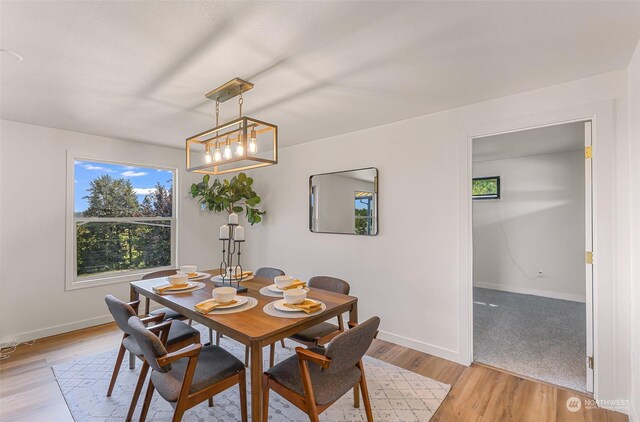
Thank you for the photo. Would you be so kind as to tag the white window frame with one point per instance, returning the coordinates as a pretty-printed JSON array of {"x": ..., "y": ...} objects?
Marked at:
[{"x": 72, "y": 281}]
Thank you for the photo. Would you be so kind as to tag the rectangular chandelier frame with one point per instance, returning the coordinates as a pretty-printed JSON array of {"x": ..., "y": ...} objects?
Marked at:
[{"x": 233, "y": 130}]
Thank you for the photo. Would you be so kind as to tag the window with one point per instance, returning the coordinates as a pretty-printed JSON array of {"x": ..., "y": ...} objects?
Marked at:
[
  {"x": 363, "y": 212},
  {"x": 486, "y": 187},
  {"x": 123, "y": 222}
]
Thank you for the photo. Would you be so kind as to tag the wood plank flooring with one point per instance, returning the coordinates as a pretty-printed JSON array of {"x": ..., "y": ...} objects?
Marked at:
[{"x": 28, "y": 391}]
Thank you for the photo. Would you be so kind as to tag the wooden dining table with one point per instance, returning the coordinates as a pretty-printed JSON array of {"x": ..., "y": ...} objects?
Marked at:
[{"x": 253, "y": 327}]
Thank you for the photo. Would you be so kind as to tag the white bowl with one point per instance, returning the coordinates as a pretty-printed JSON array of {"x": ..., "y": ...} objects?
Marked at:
[
  {"x": 224, "y": 294},
  {"x": 295, "y": 296},
  {"x": 178, "y": 279},
  {"x": 188, "y": 269},
  {"x": 283, "y": 281}
]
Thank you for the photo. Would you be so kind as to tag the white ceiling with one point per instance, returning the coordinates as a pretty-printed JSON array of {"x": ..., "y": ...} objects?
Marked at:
[
  {"x": 139, "y": 70},
  {"x": 545, "y": 140}
]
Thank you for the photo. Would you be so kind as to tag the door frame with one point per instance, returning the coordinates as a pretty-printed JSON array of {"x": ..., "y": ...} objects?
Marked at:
[
  {"x": 602, "y": 115},
  {"x": 588, "y": 236}
]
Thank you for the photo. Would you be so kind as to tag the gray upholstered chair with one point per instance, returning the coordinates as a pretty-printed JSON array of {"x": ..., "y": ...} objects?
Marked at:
[
  {"x": 268, "y": 272},
  {"x": 321, "y": 333},
  {"x": 179, "y": 336},
  {"x": 168, "y": 312},
  {"x": 316, "y": 377},
  {"x": 188, "y": 376}
]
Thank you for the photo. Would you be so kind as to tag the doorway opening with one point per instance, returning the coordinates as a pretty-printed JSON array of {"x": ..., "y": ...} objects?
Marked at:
[{"x": 532, "y": 239}]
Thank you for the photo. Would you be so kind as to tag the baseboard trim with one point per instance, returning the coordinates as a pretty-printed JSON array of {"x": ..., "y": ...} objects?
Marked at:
[
  {"x": 61, "y": 329},
  {"x": 528, "y": 291},
  {"x": 421, "y": 346},
  {"x": 58, "y": 329}
]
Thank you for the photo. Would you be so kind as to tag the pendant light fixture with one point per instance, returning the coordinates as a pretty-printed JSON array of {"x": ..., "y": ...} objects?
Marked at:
[{"x": 247, "y": 143}]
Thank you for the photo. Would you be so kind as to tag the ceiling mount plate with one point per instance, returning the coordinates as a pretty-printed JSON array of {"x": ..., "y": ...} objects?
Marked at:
[{"x": 231, "y": 89}]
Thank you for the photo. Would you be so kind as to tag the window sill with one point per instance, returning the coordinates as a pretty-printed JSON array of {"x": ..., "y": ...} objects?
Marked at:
[{"x": 86, "y": 283}]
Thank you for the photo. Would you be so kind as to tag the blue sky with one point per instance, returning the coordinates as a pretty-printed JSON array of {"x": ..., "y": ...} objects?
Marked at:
[{"x": 143, "y": 179}]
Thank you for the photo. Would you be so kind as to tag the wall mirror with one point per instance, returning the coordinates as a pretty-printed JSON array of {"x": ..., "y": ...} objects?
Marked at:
[{"x": 344, "y": 202}]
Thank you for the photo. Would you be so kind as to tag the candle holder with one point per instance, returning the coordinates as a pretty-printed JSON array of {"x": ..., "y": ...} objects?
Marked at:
[{"x": 231, "y": 251}]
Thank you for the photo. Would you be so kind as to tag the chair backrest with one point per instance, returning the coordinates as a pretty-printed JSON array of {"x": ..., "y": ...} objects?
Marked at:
[
  {"x": 348, "y": 348},
  {"x": 268, "y": 272},
  {"x": 120, "y": 311},
  {"x": 158, "y": 274},
  {"x": 331, "y": 284},
  {"x": 149, "y": 343}
]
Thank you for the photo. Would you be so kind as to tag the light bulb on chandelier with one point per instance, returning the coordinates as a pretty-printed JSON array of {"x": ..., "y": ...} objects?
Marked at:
[
  {"x": 239, "y": 147},
  {"x": 227, "y": 150},
  {"x": 217, "y": 155},
  {"x": 253, "y": 146},
  {"x": 207, "y": 155}
]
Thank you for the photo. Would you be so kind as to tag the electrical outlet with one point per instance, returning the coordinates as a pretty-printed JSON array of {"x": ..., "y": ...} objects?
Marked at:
[{"x": 540, "y": 273}]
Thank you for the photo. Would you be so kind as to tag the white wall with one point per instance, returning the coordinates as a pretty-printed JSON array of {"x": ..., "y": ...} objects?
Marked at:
[
  {"x": 412, "y": 274},
  {"x": 634, "y": 186},
  {"x": 33, "y": 169},
  {"x": 537, "y": 224}
]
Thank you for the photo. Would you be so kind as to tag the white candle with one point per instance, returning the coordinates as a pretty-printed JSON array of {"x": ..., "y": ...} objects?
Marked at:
[
  {"x": 224, "y": 232},
  {"x": 238, "y": 233},
  {"x": 233, "y": 218}
]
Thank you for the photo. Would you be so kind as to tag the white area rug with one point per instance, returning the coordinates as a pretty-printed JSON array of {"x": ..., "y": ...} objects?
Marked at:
[{"x": 396, "y": 394}]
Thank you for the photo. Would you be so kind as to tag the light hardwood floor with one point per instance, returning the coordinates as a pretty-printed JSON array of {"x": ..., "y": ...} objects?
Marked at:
[{"x": 28, "y": 391}]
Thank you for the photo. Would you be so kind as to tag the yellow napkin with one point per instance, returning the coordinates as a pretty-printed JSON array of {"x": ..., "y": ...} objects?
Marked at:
[
  {"x": 296, "y": 284},
  {"x": 168, "y": 287},
  {"x": 210, "y": 304},
  {"x": 308, "y": 306},
  {"x": 191, "y": 275}
]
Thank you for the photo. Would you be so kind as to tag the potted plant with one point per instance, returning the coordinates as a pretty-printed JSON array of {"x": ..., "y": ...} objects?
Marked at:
[{"x": 235, "y": 195}]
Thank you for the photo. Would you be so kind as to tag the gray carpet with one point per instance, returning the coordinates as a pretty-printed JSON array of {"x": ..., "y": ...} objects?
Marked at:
[
  {"x": 535, "y": 336},
  {"x": 396, "y": 393}
]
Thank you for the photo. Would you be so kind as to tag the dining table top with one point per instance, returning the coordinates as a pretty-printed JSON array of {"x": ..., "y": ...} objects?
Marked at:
[{"x": 249, "y": 325}]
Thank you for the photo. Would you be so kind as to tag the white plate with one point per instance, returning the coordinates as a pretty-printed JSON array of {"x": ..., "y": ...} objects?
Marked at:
[
  {"x": 219, "y": 278},
  {"x": 275, "y": 289},
  {"x": 279, "y": 305},
  {"x": 199, "y": 275},
  {"x": 190, "y": 285},
  {"x": 241, "y": 300}
]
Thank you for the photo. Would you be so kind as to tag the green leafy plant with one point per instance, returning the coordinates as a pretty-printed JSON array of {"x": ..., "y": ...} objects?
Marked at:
[{"x": 235, "y": 195}]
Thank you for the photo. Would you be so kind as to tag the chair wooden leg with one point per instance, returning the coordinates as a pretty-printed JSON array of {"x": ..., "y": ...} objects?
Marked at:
[
  {"x": 218, "y": 337},
  {"x": 177, "y": 414},
  {"x": 138, "y": 389},
  {"x": 211, "y": 338},
  {"x": 282, "y": 343},
  {"x": 246, "y": 356},
  {"x": 272, "y": 354},
  {"x": 190, "y": 322},
  {"x": 147, "y": 401},
  {"x": 210, "y": 401},
  {"x": 116, "y": 369},
  {"x": 242, "y": 386},
  {"x": 356, "y": 397},
  {"x": 365, "y": 395},
  {"x": 265, "y": 398}
]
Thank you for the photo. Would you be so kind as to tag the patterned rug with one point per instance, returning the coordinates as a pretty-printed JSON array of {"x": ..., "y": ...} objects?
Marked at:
[{"x": 396, "y": 394}]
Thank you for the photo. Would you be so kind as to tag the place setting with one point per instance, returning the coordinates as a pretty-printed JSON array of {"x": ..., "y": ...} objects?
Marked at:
[
  {"x": 183, "y": 281},
  {"x": 225, "y": 300},
  {"x": 294, "y": 304},
  {"x": 281, "y": 284}
]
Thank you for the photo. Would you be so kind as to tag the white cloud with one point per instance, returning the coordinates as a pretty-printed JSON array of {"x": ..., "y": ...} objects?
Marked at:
[
  {"x": 92, "y": 167},
  {"x": 144, "y": 191},
  {"x": 130, "y": 173}
]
